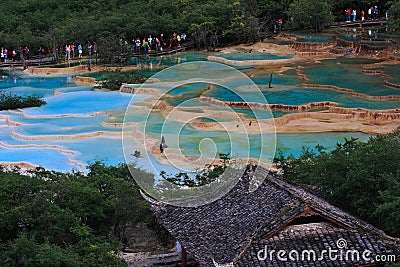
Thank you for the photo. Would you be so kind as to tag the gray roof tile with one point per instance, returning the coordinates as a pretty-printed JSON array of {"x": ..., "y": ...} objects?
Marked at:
[{"x": 237, "y": 226}]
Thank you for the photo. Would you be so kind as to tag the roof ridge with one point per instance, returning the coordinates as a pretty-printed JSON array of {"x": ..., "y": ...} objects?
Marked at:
[
  {"x": 259, "y": 204},
  {"x": 323, "y": 206}
]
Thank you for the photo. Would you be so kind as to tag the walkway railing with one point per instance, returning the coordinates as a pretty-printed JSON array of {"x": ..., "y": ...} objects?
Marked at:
[{"x": 359, "y": 23}]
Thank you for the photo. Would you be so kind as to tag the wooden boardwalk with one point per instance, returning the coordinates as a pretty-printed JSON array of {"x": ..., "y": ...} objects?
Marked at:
[
  {"x": 167, "y": 51},
  {"x": 359, "y": 23},
  {"x": 50, "y": 61},
  {"x": 30, "y": 62}
]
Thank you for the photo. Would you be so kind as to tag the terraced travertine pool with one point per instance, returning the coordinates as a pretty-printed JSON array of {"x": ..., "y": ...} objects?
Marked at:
[{"x": 79, "y": 125}]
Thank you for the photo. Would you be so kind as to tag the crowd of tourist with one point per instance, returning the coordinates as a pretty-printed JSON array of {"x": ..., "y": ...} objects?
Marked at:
[
  {"x": 12, "y": 54},
  {"x": 71, "y": 51},
  {"x": 68, "y": 51},
  {"x": 157, "y": 43},
  {"x": 372, "y": 13}
]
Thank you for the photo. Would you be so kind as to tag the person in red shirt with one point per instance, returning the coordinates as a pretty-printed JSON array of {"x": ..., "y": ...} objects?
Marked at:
[
  {"x": 72, "y": 46},
  {"x": 348, "y": 14}
]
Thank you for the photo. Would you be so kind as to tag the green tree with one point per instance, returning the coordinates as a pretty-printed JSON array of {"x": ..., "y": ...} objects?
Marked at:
[
  {"x": 244, "y": 26},
  {"x": 362, "y": 178},
  {"x": 13, "y": 101},
  {"x": 394, "y": 15},
  {"x": 70, "y": 219},
  {"x": 26, "y": 251},
  {"x": 314, "y": 14}
]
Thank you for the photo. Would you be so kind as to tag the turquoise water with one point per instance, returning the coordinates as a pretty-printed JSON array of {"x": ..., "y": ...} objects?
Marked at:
[
  {"x": 393, "y": 70},
  {"x": 351, "y": 37},
  {"x": 278, "y": 42},
  {"x": 185, "y": 88},
  {"x": 21, "y": 84},
  {"x": 87, "y": 150},
  {"x": 348, "y": 74},
  {"x": 191, "y": 140},
  {"x": 289, "y": 143},
  {"x": 81, "y": 103},
  {"x": 62, "y": 128},
  {"x": 252, "y": 56},
  {"x": 170, "y": 60},
  {"x": 314, "y": 38},
  {"x": 79, "y": 110},
  {"x": 288, "y": 78},
  {"x": 302, "y": 96}
]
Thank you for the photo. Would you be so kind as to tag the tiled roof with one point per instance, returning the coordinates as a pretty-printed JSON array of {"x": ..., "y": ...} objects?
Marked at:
[
  {"x": 318, "y": 237},
  {"x": 237, "y": 226}
]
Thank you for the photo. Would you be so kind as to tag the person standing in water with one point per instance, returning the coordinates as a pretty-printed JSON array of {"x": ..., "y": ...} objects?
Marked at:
[
  {"x": 270, "y": 81},
  {"x": 163, "y": 145}
]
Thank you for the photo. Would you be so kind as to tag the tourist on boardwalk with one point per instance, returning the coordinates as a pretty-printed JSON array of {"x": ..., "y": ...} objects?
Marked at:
[
  {"x": 173, "y": 41},
  {"x": 68, "y": 52},
  {"x": 95, "y": 50},
  {"x": 375, "y": 12},
  {"x": 280, "y": 23},
  {"x": 26, "y": 52},
  {"x": 158, "y": 44},
  {"x": 73, "y": 50},
  {"x": 162, "y": 41},
  {"x": 369, "y": 13},
  {"x": 354, "y": 15},
  {"x": 145, "y": 46},
  {"x": 21, "y": 57},
  {"x": 5, "y": 52},
  {"x": 11, "y": 54},
  {"x": 153, "y": 44},
  {"x": 80, "y": 50},
  {"x": 41, "y": 52},
  {"x": 362, "y": 15},
  {"x": 178, "y": 39},
  {"x": 53, "y": 54},
  {"x": 89, "y": 47},
  {"x": 137, "y": 45},
  {"x": 348, "y": 14},
  {"x": 150, "y": 41}
]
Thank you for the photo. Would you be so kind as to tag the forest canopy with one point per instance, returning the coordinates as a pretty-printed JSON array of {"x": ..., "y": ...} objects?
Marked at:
[
  {"x": 51, "y": 218},
  {"x": 38, "y": 23}
]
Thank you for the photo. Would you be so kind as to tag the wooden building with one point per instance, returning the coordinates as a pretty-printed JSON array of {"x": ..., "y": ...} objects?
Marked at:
[{"x": 274, "y": 226}]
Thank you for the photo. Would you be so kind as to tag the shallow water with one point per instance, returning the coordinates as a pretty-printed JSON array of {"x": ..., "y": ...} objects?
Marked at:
[
  {"x": 348, "y": 74},
  {"x": 286, "y": 90},
  {"x": 21, "y": 84},
  {"x": 314, "y": 38},
  {"x": 81, "y": 103},
  {"x": 79, "y": 110},
  {"x": 393, "y": 70},
  {"x": 252, "y": 56},
  {"x": 290, "y": 144}
]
